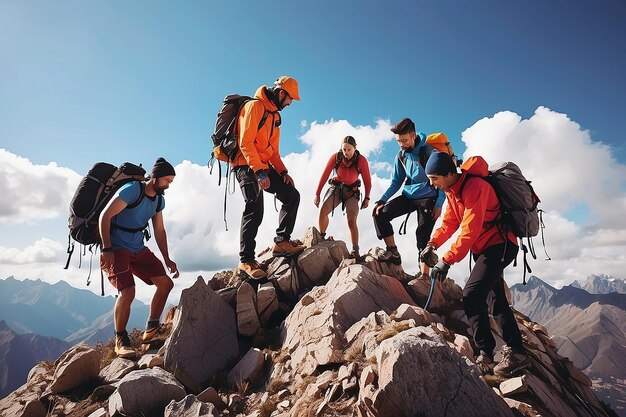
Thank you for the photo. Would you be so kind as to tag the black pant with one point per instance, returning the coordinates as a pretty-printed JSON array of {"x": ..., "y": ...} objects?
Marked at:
[
  {"x": 486, "y": 276},
  {"x": 402, "y": 205},
  {"x": 253, "y": 211}
]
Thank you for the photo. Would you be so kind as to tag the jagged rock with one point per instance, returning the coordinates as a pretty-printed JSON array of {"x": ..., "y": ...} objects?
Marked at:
[
  {"x": 76, "y": 366},
  {"x": 102, "y": 393},
  {"x": 204, "y": 339},
  {"x": 150, "y": 360},
  {"x": 247, "y": 317},
  {"x": 210, "y": 395},
  {"x": 116, "y": 370},
  {"x": 368, "y": 375},
  {"x": 223, "y": 279},
  {"x": 577, "y": 374},
  {"x": 384, "y": 268},
  {"x": 247, "y": 369},
  {"x": 338, "y": 250},
  {"x": 145, "y": 392},
  {"x": 421, "y": 316},
  {"x": 278, "y": 266},
  {"x": 22, "y": 403},
  {"x": 287, "y": 282},
  {"x": 382, "y": 318},
  {"x": 549, "y": 399},
  {"x": 365, "y": 325},
  {"x": 37, "y": 372},
  {"x": 463, "y": 346},
  {"x": 317, "y": 264},
  {"x": 525, "y": 409},
  {"x": 313, "y": 334},
  {"x": 267, "y": 301},
  {"x": 100, "y": 412},
  {"x": 190, "y": 406},
  {"x": 513, "y": 386},
  {"x": 416, "y": 364},
  {"x": 312, "y": 237}
]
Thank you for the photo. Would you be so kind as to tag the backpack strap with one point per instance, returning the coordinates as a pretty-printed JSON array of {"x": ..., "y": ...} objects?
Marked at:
[
  {"x": 338, "y": 159},
  {"x": 424, "y": 154}
]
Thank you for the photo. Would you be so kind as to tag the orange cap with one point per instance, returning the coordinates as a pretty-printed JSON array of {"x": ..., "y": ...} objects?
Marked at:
[{"x": 290, "y": 85}]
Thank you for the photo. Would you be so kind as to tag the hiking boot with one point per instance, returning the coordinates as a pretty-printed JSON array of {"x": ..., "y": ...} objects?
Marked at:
[
  {"x": 152, "y": 331},
  {"x": 286, "y": 248},
  {"x": 123, "y": 347},
  {"x": 511, "y": 363},
  {"x": 485, "y": 363},
  {"x": 252, "y": 269},
  {"x": 391, "y": 255},
  {"x": 354, "y": 254}
]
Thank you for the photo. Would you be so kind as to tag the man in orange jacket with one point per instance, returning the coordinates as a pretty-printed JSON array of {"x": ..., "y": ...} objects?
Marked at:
[
  {"x": 258, "y": 166},
  {"x": 473, "y": 205}
]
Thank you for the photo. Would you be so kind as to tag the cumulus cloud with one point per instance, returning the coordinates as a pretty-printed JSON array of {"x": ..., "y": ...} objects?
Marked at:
[
  {"x": 31, "y": 192},
  {"x": 569, "y": 170},
  {"x": 572, "y": 174}
]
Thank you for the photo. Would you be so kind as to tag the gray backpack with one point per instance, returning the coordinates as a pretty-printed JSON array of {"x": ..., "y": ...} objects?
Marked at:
[{"x": 518, "y": 206}]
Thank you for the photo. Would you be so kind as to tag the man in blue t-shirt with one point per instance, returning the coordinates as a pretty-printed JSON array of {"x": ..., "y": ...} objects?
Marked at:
[{"x": 122, "y": 225}]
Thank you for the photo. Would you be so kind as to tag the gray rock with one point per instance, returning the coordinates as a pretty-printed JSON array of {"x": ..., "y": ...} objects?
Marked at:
[
  {"x": 117, "y": 369},
  {"x": 145, "y": 392},
  {"x": 267, "y": 301},
  {"x": 247, "y": 369},
  {"x": 76, "y": 366},
  {"x": 204, "y": 339},
  {"x": 419, "y": 375},
  {"x": 190, "y": 406},
  {"x": 248, "y": 322},
  {"x": 317, "y": 264}
]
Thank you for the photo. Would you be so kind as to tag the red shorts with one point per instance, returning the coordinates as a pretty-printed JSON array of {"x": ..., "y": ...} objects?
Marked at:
[{"x": 144, "y": 265}]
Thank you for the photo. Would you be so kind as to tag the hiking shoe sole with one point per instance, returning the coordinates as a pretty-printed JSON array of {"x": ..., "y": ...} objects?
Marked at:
[
  {"x": 285, "y": 254},
  {"x": 243, "y": 274}
]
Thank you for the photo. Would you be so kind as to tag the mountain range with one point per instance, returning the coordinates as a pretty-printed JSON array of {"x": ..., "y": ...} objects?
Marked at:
[
  {"x": 590, "y": 329},
  {"x": 602, "y": 284},
  {"x": 39, "y": 321}
]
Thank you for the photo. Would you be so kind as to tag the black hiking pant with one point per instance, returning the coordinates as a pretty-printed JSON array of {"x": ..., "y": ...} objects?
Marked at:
[
  {"x": 487, "y": 276},
  {"x": 253, "y": 211},
  {"x": 402, "y": 205}
]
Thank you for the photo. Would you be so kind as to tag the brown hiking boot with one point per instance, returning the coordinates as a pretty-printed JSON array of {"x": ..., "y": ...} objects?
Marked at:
[
  {"x": 252, "y": 269},
  {"x": 485, "y": 364},
  {"x": 152, "y": 331},
  {"x": 391, "y": 255},
  {"x": 123, "y": 347},
  {"x": 511, "y": 363},
  {"x": 286, "y": 248}
]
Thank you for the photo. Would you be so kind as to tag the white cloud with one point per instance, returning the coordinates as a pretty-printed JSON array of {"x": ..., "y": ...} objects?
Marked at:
[
  {"x": 567, "y": 168},
  {"x": 31, "y": 192}
]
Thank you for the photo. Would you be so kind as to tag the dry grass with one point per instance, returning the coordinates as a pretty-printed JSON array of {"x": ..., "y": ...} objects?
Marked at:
[
  {"x": 274, "y": 385},
  {"x": 302, "y": 385},
  {"x": 391, "y": 329},
  {"x": 282, "y": 356},
  {"x": 266, "y": 409},
  {"x": 354, "y": 353}
]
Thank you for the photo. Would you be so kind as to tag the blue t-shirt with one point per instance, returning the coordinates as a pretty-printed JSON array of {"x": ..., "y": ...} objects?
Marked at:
[{"x": 133, "y": 218}]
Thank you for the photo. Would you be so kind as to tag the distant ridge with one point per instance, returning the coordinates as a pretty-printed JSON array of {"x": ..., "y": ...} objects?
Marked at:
[
  {"x": 62, "y": 311},
  {"x": 18, "y": 354},
  {"x": 590, "y": 329},
  {"x": 602, "y": 284}
]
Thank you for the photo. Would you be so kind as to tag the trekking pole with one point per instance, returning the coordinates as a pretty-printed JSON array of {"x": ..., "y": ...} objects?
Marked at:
[{"x": 432, "y": 288}]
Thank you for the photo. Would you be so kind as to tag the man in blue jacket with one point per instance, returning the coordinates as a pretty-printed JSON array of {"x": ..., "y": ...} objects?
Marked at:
[{"x": 417, "y": 193}]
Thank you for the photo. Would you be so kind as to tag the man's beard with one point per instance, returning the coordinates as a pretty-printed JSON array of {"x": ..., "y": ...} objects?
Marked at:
[{"x": 159, "y": 190}]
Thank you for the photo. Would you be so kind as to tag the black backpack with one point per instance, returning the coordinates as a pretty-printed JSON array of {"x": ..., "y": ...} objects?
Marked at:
[
  {"x": 353, "y": 164},
  {"x": 224, "y": 137},
  {"x": 93, "y": 193}
]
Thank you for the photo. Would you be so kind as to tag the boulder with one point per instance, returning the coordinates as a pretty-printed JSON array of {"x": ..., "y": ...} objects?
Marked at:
[
  {"x": 513, "y": 386},
  {"x": 190, "y": 406},
  {"x": 419, "y": 375},
  {"x": 247, "y": 369},
  {"x": 267, "y": 301},
  {"x": 408, "y": 311},
  {"x": 210, "y": 395},
  {"x": 313, "y": 334},
  {"x": 145, "y": 392},
  {"x": 116, "y": 370},
  {"x": 317, "y": 264},
  {"x": 76, "y": 366},
  {"x": 248, "y": 322},
  {"x": 312, "y": 237},
  {"x": 204, "y": 339},
  {"x": 337, "y": 249},
  {"x": 150, "y": 360}
]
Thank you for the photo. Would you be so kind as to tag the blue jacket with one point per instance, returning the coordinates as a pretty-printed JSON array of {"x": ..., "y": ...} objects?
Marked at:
[{"x": 417, "y": 185}]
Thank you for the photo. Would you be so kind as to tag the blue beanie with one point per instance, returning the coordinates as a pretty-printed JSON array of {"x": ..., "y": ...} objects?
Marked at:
[{"x": 440, "y": 163}]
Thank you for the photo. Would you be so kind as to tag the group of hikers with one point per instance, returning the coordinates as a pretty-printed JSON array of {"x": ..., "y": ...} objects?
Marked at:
[{"x": 419, "y": 170}]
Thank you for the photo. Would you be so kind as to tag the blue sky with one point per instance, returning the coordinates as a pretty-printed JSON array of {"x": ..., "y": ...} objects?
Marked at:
[{"x": 87, "y": 81}]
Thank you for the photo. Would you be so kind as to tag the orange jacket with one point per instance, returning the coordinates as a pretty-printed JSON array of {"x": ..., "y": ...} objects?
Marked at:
[
  {"x": 258, "y": 148},
  {"x": 473, "y": 210}
]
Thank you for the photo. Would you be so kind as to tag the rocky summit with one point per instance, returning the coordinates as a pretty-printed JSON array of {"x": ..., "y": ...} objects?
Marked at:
[{"x": 323, "y": 335}]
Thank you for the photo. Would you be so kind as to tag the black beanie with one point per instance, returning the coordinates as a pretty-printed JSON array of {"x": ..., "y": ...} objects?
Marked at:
[
  {"x": 162, "y": 168},
  {"x": 440, "y": 163}
]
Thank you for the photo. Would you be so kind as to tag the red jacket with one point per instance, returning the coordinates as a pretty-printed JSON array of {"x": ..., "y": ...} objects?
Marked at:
[
  {"x": 258, "y": 148},
  {"x": 346, "y": 173},
  {"x": 473, "y": 210}
]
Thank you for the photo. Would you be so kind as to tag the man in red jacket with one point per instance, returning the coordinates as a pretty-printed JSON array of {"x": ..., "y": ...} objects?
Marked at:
[{"x": 473, "y": 205}]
